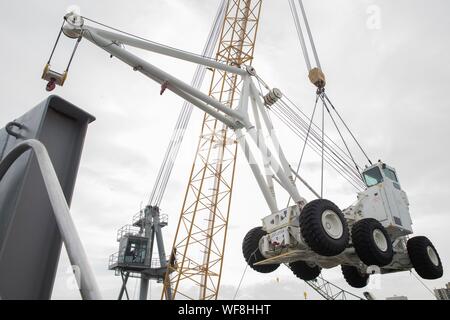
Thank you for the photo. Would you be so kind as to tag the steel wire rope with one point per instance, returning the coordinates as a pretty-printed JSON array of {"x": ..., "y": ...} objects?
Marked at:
[
  {"x": 315, "y": 148},
  {"x": 295, "y": 118},
  {"x": 347, "y": 127},
  {"x": 166, "y": 168},
  {"x": 342, "y": 137},
  {"x": 338, "y": 155},
  {"x": 323, "y": 150},
  {"x": 423, "y": 284},
  {"x": 306, "y": 116},
  {"x": 147, "y": 40},
  {"x": 243, "y": 275},
  {"x": 342, "y": 173},
  {"x": 316, "y": 140},
  {"x": 304, "y": 146}
]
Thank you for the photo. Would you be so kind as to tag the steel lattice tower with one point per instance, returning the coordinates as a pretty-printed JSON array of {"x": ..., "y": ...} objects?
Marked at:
[{"x": 196, "y": 262}]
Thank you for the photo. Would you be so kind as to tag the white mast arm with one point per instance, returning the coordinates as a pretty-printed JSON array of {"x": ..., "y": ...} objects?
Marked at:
[
  {"x": 236, "y": 119},
  {"x": 167, "y": 51},
  {"x": 198, "y": 98}
]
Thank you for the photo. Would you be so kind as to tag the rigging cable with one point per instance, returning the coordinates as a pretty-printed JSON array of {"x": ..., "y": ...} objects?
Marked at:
[
  {"x": 315, "y": 135},
  {"x": 423, "y": 284},
  {"x": 357, "y": 184},
  {"x": 351, "y": 133},
  {"x": 300, "y": 33},
  {"x": 205, "y": 56},
  {"x": 338, "y": 154},
  {"x": 336, "y": 165},
  {"x": 323, "y": 148},
  {"x": 342, "y": 137},
  {"x": 332, "y": 154},
  {"x": 240, "y": 282},
  {"x": 304, "y": 145},
  {"x": 321, "y": 91},
  {"x": 302, "y": 113},
  {"x": 166, "y": 168},
  {"x": 243, "y": 275},
  {"x": 56, "y": 43},
  {"x": 308, "y": 30}
]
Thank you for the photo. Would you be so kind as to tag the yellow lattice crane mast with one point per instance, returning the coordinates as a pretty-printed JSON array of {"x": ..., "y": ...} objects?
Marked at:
[{"x": 198, "y": 249}]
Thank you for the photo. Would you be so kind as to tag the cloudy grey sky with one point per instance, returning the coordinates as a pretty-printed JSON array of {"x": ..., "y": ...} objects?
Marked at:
[{"x": 390, "y": 84}]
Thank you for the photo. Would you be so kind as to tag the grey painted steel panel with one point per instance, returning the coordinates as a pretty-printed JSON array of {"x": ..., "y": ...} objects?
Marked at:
[{"x": 30, "y": 242}]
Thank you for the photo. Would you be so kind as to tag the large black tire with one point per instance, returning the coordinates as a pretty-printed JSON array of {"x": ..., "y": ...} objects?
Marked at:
[
  {"x": 372, "y": 243},
  {"x": 315, "y": 233},
  {"x": 424, "y": 258},
  {"x": 303, "y": 271},
  {"x": 252, "y": 255},
  {"x": 354, "y": 278}
]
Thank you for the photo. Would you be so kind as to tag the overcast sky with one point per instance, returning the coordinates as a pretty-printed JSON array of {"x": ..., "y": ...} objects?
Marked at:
[{"x": 388, "y": 77}]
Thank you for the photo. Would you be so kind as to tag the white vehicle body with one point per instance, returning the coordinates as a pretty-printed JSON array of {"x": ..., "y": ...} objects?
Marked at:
[{"x": 383, "y": 200}]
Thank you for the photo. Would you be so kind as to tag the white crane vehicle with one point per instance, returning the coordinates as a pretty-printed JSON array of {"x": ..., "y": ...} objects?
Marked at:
[{"x": 370, "y": 236}]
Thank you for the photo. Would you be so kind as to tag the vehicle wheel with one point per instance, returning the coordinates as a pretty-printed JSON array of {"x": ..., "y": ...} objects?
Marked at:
[
  {"x": 324, "y": 228},
  {"x": 424, "y": 258},
  {"x": 372, "y": 243},
  {"x": 250, "y": 249},
  {"x": 354, "y": 277},
  {"x": 304, "y": 271}
]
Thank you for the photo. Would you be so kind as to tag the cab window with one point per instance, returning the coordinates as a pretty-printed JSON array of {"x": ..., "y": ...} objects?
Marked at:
[
  {"x": 390, "y": 174},
  {"x": 373, "y": 177}
]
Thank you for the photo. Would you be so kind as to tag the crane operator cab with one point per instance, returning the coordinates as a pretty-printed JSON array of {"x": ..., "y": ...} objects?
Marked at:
[{"x": 384, "y": 200}]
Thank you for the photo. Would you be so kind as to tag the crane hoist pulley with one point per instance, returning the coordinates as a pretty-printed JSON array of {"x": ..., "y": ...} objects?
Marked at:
[{"x": 55, "y": 78}]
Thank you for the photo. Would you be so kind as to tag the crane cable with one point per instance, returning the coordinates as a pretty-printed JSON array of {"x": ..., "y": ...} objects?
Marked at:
[
  {"x": 321, "y": 89},
  {"x": 340, "y": 134},
  {"x": 56, "y": 43},
  {"x": 205, "y": 56},
  {"x": 304, "y": 146},
  {"x": 323, "y": 148},
  {"x": 301, "y": 37},
  {"x": 333, "y": 157},
  {"x": 348, "y": 129},
  {"x": 171, "y": 154},
  {"x": 333, "y": 162},
  {"x": 336, "y": 152},
  {"x": 183, "y": 121},
  {"x": 423, "y": 284},
  {"x": 167, "y": 165},
  {"x": 306, "y": 130},
  {"x": 299, "y": 110},
  {"x": 289, "y": 117},
  {"x": 253, "y": 254},
  {"x": 240, "y": 282},
  {"x": 316, "y": 56},
  {"x": 335, "y": 165},
  {"x": 297, "y": 117}
]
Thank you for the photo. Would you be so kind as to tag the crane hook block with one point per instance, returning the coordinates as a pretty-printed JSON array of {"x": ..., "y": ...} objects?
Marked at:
[
  {"x": 54, "y": 78},
  {"x": 317, "y": 77}
]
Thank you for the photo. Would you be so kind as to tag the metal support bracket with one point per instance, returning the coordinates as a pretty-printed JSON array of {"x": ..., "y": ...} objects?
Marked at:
[{"x": 87, "y": 284}]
